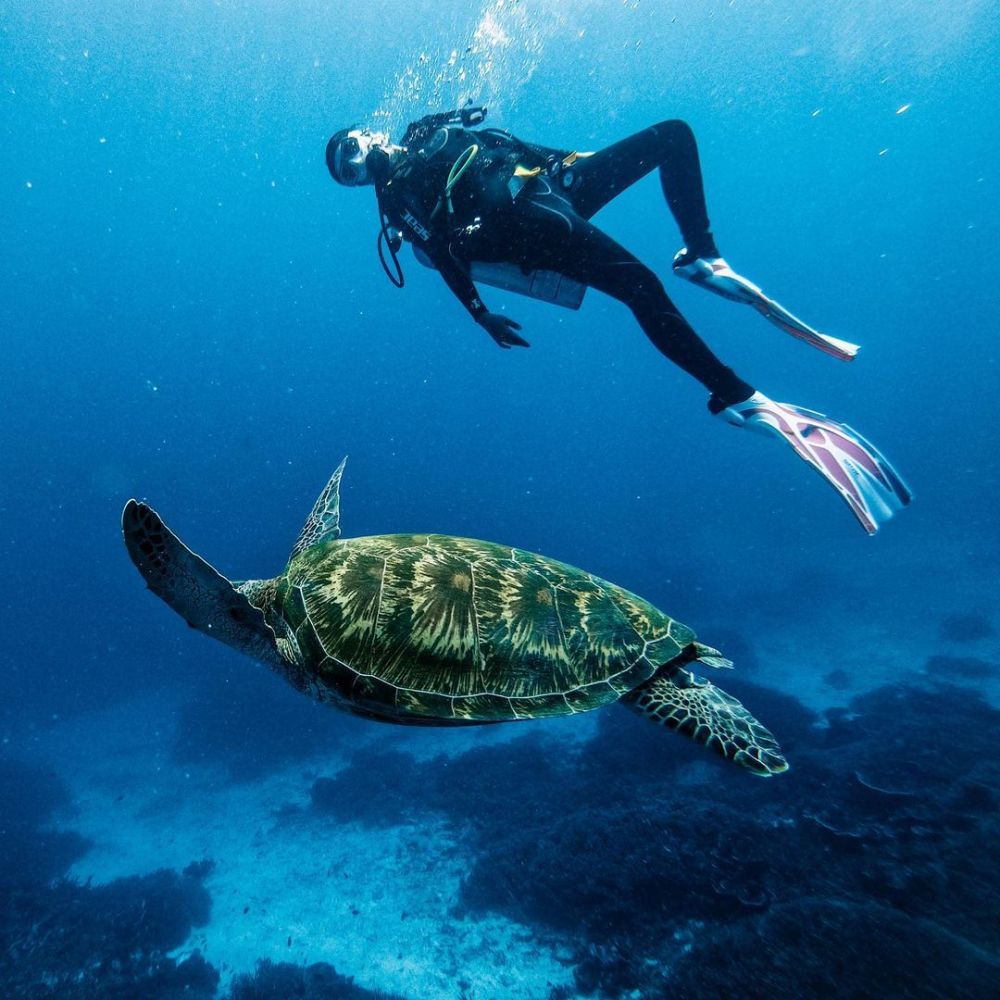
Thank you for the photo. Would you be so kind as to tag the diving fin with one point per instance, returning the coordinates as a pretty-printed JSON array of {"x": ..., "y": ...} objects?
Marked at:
[
  {"x": 854, "y": 467},
  {"x": 714, "y": 274}
]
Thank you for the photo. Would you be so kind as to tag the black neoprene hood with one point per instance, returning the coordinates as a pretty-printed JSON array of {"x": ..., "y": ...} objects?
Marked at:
[{"x": 331, "y": 150}]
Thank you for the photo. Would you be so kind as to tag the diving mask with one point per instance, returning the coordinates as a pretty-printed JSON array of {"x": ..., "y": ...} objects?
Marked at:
[{"x": 347, "y": 155}]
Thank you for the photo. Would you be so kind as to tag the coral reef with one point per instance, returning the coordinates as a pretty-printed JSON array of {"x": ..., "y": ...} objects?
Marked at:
[
  {"x": 108, "y": 942},
  {"x": 652, "y": 858},
  {"x": 374, "y": 790},
  {"x": 821, "y": 947},
  {"x": 282, "y": 981},
  {"x": 660, "y": 870},
  {"x": 29, "y": 852},
  {"x": 67, "y": 941}
]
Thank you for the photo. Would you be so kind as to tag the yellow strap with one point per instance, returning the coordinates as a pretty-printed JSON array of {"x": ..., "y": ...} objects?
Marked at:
[{"x": 524, "y": 172}]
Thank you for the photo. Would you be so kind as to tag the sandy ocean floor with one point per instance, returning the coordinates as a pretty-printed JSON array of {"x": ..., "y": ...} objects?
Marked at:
[{"x": 378, "y": 904}]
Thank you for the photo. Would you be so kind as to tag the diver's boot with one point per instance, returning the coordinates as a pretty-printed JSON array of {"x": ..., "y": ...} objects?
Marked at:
[
  {"x": 714, "y": 274},
  {"x": 856, "y": 469}
]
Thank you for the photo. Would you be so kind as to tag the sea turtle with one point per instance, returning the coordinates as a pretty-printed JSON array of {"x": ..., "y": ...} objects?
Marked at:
[{"x": 443, "y": 631}]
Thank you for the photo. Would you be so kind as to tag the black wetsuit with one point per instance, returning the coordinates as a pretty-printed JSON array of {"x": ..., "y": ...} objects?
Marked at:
[{"x": 543, "y": 221}]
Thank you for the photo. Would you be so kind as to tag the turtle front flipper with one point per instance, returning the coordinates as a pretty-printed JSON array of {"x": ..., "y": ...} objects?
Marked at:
[
  {"x": 675, "y": 698},
  {"x": 201, "y": 595}
]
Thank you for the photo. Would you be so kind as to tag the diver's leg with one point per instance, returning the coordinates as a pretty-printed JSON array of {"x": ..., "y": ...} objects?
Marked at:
[
  {"x": 555, "y": 238},
  {"x": 591, "y": 182},
  {"x": 560, "y": 240}
]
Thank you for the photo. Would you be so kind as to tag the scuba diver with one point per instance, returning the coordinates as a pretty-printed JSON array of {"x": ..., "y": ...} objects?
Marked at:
[{"x": 479, "y": 204}]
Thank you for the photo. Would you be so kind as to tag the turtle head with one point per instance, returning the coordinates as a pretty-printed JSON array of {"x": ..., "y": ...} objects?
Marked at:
[{"x": 200, "y": 594}]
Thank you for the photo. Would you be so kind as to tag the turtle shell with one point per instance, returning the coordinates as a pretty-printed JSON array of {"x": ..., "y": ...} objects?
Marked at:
[{"x": 453, "y": 631}]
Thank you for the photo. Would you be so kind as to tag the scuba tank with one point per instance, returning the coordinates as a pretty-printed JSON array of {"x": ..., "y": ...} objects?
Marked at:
[{"x": 547, "y": 286}]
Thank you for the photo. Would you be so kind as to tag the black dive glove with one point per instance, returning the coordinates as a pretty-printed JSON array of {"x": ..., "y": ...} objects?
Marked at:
[{"x": 501, "y": 329}]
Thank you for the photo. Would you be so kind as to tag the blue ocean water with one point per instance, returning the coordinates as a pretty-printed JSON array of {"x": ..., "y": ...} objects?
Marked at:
[{"x": 193, "y": 313}]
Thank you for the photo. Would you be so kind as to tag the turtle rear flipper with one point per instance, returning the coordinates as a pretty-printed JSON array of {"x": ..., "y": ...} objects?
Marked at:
[
  {"x": 201, "y": 595},
  {"x": 675, "y": 698}
]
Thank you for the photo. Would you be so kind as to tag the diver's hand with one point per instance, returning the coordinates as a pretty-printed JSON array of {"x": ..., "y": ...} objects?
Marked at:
[{"x": 501, "y": 329}]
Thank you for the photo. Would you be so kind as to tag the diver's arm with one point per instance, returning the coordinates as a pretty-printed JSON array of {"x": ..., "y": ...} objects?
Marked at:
[
  {"x": 456, "y": 277},
  {"x": 500, "y": 328}
]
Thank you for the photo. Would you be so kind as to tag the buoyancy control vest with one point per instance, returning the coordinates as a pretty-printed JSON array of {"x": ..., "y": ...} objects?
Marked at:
[
  {"x": 453, "y": 177},
  {"x": 425, "y": 194}
]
